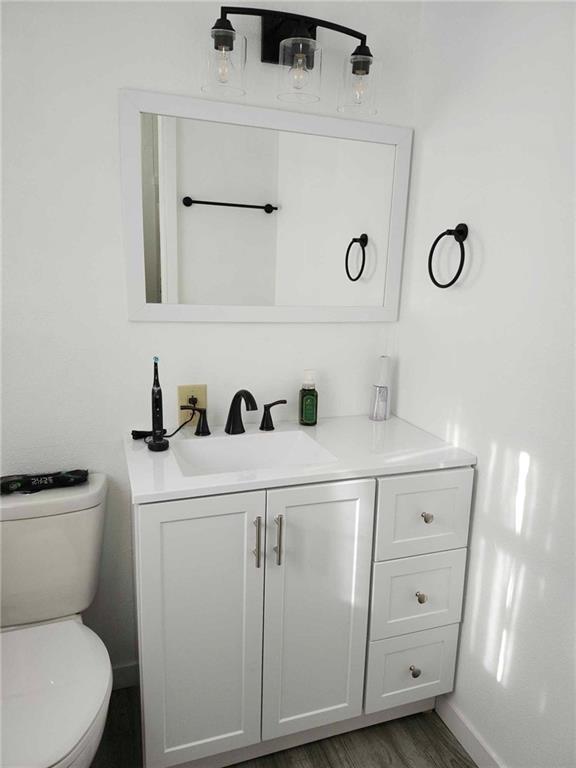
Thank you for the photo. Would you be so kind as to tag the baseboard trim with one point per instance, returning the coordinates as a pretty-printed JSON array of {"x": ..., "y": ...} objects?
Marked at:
[
  {"x": 125, "y": 675},
  {"x": 467, "y": 735}
]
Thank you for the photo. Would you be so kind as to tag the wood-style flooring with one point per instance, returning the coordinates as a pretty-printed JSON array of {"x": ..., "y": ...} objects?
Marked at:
[{"x": 418, "y": 741}]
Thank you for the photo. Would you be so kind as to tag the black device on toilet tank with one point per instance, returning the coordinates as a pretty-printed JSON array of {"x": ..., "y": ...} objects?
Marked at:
[
  {"x": 42, "y": 482},
  {"x": 157, "y": 442}
]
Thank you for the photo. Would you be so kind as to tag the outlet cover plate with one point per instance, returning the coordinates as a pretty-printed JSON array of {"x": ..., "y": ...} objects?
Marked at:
[{"x": 185, "y": 391}]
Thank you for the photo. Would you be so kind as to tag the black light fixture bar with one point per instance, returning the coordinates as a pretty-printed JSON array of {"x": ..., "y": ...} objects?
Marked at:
[
  {"x": 308, "y": 20},
  {"x": 268, "y": 208},
  {"x": 275, "y": 27}
]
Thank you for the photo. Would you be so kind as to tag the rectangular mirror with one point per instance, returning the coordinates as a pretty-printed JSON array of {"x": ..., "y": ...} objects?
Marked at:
[{"x": 236, "y": 213}]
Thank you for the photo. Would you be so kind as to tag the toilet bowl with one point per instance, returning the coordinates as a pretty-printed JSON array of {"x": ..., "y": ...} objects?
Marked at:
[
  {"x": 56, "y": 687},
  {"x": 56, "y": 673}
]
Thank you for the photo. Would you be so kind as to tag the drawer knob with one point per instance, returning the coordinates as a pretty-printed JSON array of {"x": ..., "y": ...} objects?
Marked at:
[
  {"x": 422, "y": 597},
  {"x": 415, "y": 671},
  {"x": 428, "y": 517}
]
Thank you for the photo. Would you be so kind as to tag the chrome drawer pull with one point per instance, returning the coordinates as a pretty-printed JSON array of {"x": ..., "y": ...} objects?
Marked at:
[
  {"x": 422, "y": 597},
  {"x": 428, "y": 517},
  {"x": 415, "y": 671},
  {"x": 258, "y": 551},
  {"x": 279, "y": 530}
]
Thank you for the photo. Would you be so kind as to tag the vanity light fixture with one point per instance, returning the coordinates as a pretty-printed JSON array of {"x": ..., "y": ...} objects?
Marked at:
[
  {"x": 289, "y": 39},
  {"x": 300, "y": 59},
  {"x": 226, "y": 60}
]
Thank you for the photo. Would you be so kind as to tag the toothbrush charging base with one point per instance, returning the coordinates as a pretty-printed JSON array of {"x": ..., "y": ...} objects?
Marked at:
[{"x": 158, "y": 445}]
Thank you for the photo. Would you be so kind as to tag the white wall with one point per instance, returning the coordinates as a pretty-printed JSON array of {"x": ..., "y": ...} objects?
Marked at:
[
  {"x": 77, "y": 374},
  {"x": 487, "y": 364}
]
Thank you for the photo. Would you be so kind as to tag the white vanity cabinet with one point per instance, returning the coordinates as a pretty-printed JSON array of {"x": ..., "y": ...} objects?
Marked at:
[
  {"x": 201, "y": 567},
  {"x": 275, "y": 609}
]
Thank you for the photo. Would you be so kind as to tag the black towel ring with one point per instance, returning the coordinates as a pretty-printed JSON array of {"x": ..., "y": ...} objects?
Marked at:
[
  {"x": 362, "y": 242},
  {"x": 460, "y": 234}
]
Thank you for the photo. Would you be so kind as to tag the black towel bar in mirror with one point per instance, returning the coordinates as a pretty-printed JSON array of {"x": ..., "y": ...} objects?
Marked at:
[
  {"x": 362, "y": 242},
  {"x": 268, "y": 208},
  {"x": 459, "y": 234}
]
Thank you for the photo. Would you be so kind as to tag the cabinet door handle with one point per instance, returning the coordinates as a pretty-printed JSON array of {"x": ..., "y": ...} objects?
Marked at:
[
  {"x": 279, "y": 531},
  {"x": 258, "y": 551},
  {"x": 422, "y": 597},
  {"x": 415, "y": 672},
  {"x": 428, "y": 517}
]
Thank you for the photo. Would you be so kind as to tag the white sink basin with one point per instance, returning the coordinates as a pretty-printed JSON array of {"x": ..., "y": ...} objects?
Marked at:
[{"x": 238, "y": 453}]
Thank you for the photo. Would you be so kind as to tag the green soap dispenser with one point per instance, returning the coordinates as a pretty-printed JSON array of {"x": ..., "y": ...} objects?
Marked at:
[{"x": 308, "y": 409}]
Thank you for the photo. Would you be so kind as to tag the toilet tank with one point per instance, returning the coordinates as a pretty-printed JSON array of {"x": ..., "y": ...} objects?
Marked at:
[{"x": 50, "y": 546}]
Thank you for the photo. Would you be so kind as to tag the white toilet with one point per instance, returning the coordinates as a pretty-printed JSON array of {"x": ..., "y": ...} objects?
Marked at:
[{"x": 56, "y": 673}]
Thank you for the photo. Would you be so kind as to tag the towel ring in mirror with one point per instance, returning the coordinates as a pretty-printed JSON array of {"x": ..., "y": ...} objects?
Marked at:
[
  {"x": 362, "y": 242},
  {"x": 459, "y": 234}
]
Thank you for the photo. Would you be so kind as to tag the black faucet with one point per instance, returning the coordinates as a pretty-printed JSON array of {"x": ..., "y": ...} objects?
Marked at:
[{"x": 234, "y": 425}]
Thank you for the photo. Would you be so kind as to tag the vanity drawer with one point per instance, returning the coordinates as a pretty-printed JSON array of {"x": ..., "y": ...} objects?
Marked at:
[
  {"x": 410, "y": 668},
  {"x": 416, "y": 593},
  {"x": 427, "y": 512}
]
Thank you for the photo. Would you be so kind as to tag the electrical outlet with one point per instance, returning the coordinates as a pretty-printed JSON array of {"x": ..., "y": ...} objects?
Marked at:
[{"x": 185, "y": 391}]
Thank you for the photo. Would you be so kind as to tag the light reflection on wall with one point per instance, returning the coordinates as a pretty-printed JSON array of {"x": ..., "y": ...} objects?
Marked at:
[
  {"x": 503, "y": 593},
  {"x": 506, "y": 584},
  {"x": 523, "y": 469}
]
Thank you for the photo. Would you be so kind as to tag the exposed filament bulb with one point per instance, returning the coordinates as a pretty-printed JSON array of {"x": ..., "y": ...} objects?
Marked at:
[
  {"x": 299, "y": 73},
  {"x": 224, "y": 65},
  {"x": 359, "y": 88}
]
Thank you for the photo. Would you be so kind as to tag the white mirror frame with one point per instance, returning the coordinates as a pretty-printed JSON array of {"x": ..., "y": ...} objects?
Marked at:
[{"x": 133, "y": 103}]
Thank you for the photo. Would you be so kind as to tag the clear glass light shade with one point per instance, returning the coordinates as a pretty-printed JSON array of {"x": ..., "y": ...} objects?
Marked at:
[
  {"x": 225, "y": 67},
  {"x": 300, "y": 70},
  {"x": 358, "y": 86}
]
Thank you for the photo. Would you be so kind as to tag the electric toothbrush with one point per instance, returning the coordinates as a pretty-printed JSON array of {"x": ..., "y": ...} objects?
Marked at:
[{"x": 157, "y": 442}]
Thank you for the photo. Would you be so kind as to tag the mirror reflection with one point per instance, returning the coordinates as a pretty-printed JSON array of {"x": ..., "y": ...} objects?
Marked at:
[{"x": 245, "y": 216}]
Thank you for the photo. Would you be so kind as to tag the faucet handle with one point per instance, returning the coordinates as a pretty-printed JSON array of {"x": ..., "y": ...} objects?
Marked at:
[
  {"x": 202, "y": 429},
  {"x": 267, "y": 425}
]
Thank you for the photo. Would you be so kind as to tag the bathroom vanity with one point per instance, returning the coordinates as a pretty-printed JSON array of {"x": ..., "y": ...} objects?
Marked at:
[{"x": 295, "y": 584}]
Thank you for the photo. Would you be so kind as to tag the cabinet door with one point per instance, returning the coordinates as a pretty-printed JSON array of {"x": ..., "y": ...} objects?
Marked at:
[
  {"x": 318, "y": 552},
  {"x": 200, "y": 604}
]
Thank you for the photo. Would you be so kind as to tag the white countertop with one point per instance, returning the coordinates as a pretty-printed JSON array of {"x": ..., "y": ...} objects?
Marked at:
[{"x": 361, "y": 448}]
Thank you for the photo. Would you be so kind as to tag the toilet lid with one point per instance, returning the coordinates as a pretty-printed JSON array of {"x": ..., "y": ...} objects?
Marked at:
[{"x": 55, "y": 678}]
